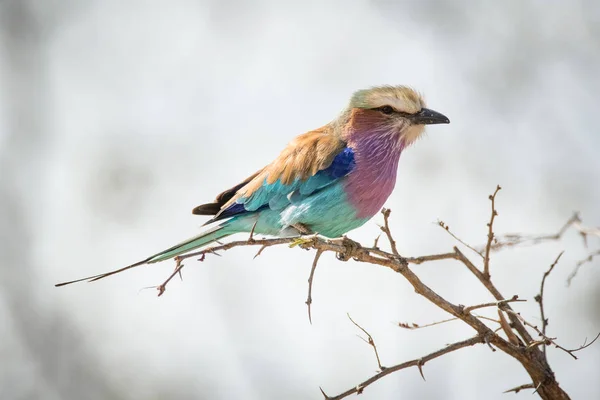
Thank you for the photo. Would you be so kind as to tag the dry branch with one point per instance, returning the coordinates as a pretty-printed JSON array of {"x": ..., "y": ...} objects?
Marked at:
[
  {"x": 490, "y": 237},
  {"x": 519, "y": 344},
  {"x": 369, "y": 340},
  {"x": 418, "y": 362}
]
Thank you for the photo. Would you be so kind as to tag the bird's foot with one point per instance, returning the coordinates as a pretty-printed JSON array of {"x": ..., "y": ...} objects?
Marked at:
[
  {"x": 302, "y": 240},
  {"x": 350, "y": 248}
]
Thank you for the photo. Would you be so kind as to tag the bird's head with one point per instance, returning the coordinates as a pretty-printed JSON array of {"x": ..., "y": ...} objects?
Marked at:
[{"x": 397, "y": 110}]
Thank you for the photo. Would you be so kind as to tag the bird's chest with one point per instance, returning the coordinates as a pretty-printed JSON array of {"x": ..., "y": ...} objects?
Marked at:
[{"x": 373, "y": 180}]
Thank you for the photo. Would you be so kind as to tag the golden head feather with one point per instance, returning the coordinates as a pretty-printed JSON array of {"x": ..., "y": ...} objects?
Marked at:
[{"x": 401, "y": 98}]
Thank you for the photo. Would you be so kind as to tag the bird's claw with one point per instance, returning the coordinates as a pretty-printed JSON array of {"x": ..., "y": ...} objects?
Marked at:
[
  {"x": 350, "y": 247},
  {"x": 302, "y": 240}
]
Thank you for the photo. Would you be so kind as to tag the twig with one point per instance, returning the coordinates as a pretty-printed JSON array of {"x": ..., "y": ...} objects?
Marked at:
[
  {"x": 414, "y": 326},
  {"x": 412, "y": 363},
  {"x": 521, "y": 387},
  {"x": 369, "y": 341},
  {"x": 459, "y": 240},
  {"x": 310, "y": 282},
  {"x": 549, "y": 340},
  {"x": 498, "y": 304},
  {"x": 586, "y": 260},
  {"x": 514, "y": 339},
  {"x": 376, "y": 241},
  {"x": 519, "y": 327},
  {"x": 511, "y": 240},
  {"x": 386, "y": 229},
  {"x": 540, "y": 297},
  {"x": 433, "y": 257},
  {"x": 490, "y": 237}
]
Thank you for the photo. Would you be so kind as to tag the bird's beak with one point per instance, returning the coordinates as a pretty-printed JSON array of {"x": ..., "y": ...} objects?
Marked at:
[{"x": 429, "y": 117}]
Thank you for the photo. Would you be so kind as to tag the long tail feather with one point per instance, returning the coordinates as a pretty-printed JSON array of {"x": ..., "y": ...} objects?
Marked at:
[{"x": 207, "y": 237}]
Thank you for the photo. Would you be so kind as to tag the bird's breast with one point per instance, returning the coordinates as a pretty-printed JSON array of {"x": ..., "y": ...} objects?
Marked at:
[{"x": 370, "y": 184}]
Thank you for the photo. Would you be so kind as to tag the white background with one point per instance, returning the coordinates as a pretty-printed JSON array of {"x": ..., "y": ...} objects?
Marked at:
[{"x": 118, "y": 117}]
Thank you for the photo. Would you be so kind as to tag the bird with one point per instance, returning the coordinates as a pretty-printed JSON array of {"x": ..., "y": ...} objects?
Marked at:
[{"x": 327, "y": 181}]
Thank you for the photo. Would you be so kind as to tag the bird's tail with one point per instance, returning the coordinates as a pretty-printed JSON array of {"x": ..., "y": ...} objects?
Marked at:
[{"x": 206, "y": 237}]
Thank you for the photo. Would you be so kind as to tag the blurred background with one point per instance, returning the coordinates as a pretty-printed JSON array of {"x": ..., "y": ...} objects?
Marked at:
[{"x": 118, "y": 117}]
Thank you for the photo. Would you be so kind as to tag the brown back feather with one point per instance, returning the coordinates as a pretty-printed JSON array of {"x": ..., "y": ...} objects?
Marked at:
[{"x": 303, "y": 157}]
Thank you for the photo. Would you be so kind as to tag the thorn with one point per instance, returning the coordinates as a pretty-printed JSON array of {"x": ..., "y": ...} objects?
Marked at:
[
  {"x": 487, "y": 341},
  {"x": 259, "y": 252},
  {"x": 420, "y": 366},
  {"x": 324, "y": 394},
  {"x": 251, "y": 238}
]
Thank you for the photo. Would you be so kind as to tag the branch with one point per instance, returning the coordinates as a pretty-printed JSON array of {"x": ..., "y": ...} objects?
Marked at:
[
  {"x": 540, "y": 298},
  {"x": 524, "y": 348},
  {"x": 445, "y": 226},
  {"x": 511, "y": 240},
  {"x": 369, "y": 341},
  {"x": 518, "y": 326},
  {"x": 498, "y": 304},
  {"x": 412, "y": 363},
  {"x": 548, "y": 340},
  {"x": 588, "y": 259},
  {"x": 414, "y": 326},
  {"x": 310, "y": 282},
  {"x": 521, "y": 387},
  {"x": 490, "y": 237},
  {"x": 386, "y": 229}
]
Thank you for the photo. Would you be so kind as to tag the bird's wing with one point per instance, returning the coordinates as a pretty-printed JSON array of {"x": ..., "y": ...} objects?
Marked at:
[{"x": 308, "y": 163}]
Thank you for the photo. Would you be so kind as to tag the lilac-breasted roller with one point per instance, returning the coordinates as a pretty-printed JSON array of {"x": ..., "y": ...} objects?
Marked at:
[{"x": 327, "y": 181}]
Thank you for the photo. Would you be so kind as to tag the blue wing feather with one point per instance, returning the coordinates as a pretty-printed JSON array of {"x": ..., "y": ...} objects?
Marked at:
[{"x": 277, "y": 196}]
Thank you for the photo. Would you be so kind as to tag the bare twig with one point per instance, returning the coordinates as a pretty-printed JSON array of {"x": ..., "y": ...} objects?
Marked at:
[
  {"x": 251, "y": 237},
  {"x": 412, "y": 363},
  {"x": 586, "y": 260},
  {"x": 511, "y": 240},
  {"x": 386, "y": 229},
  {"x": 414, "y": 326},
  {"x": 521, "y": 387},
  {"x": 433, "y": 257},
  {"x": 369, "y": 341},
  {"x": 514, "y": 339},
  {"x": 310, "y": 282},
  {"x": 490, "y": 237},
  {"x": 376, "y": 241},
  {"x": 548, "y": 340},
  {"x": 459, "y": 240},
  {"x": 540, "y": 297},
  {"x": 519, "y": 327},
  {"x": 498, "y": 304}
]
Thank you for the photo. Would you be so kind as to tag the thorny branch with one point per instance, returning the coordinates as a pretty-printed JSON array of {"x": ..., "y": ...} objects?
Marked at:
[
  {"x": 540, "y": 297},
  {"x": 310, "y": 282},
  {"x": 520, "y": 344},
  {"x": 369, "y": 340},
  {"x": 418, "y": 362}
]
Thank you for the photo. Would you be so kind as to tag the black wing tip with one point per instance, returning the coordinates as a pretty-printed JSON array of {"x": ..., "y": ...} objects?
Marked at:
[{"x": 207, "y": 209}]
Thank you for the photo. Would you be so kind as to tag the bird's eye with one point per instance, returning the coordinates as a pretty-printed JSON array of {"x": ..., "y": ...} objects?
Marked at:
[{"x": 387, "y": 109}]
